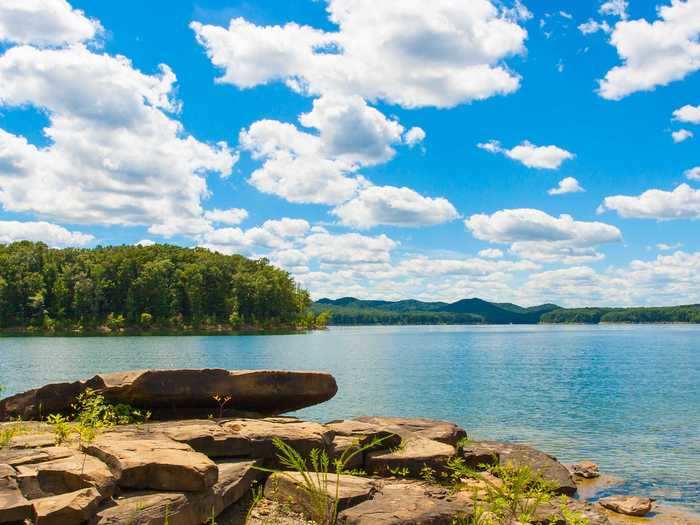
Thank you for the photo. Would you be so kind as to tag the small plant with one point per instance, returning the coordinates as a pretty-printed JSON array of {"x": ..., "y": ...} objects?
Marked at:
[
  {"x": 398, "y": 472},
  {"x": 571, "y": 517},
  {"x": 62, "y": 428},
  {"x": 428, "y": 474},
  {"x": 7, "y": 434},
  {"x": 322, "y": 487},
  {"x": 515, "y": 496},
  {"x": 463, "y": 443},
  {"x": 257, "y": 496},
  {"x": 222, "y": 402}
]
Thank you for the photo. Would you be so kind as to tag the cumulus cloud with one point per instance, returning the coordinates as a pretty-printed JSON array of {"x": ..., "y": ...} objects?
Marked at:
[
  {"x": 271, "y": 235},
  {"x": 51, "y": 234},
  {"x": 320, "y": 167},
  {"x": 681, "y": 203},
  {"x": 232, "y": 216},
  {"x": 145, "y": 242},
  {"x": 593, "y": 26},
  {"x": 681, "y": 135},
  {"x": 536, "y": 235},
  {"x": 566, "y": 185},
  {"x": 541, "y": 157},
  {"x": 394, "y": 206},
  {"x": 397, "y": 51},
  {"x": 664, "y": 247},
  {"x": 44, "y": 23},
  {"x": 491, "y": 253},
  {"x": 116, "y": 154},
  {"x": 614, "y": 8},
  {"x": 414, "y": 136},
  {"x": 654, "y": 53},
  {"x": 692, "y": 173},
  {"x": 688, "y": 113}
]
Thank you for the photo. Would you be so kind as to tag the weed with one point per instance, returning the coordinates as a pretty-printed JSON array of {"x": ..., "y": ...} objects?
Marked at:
[
  {"x": 222, "y": 402},
  {"x": 397, "y": 472},
  {"x": 62, "y": 428},
  {"x": 257, "y": 494}
]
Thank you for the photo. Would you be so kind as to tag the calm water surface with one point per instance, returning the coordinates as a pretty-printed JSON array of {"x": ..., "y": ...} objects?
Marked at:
[{"x": 627, "y": 397}]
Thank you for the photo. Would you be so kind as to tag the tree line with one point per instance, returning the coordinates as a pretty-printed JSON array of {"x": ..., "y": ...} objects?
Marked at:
[
  {"x": 119, "y": 287},
  {"x": 663, "y": 314}
]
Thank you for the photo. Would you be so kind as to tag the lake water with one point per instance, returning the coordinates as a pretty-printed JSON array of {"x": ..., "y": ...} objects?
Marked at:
[{"x": 627, "y": 397}]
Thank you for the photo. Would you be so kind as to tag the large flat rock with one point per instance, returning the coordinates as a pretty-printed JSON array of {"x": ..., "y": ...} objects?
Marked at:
[
  {"x": 182, "y": 393},
  {"x": 206, "y": 436},
  {"x": 303, "y": 436},
  {"x": 406, "y": 502},
  {"x": 14, "y": 507},
  {"x": 182, "y": 508},
  {"x": 443, "y": 431},
  {"x": 522, "y": 455},
  {"x": 413, "y": 456},
  {"x": 143, "y": 461},
  {"x": 73, "y": 508},
  {"x": 288, "y": 487}
]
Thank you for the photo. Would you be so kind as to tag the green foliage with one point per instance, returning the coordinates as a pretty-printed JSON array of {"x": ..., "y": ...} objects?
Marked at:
[
  {"x": 256, "y": 496},
  {"x": 317, "y": 479},
  {"x": 667, "y": 314},
  {"x": 61, "y": 426},
  {"x": 161, "y": 286}
]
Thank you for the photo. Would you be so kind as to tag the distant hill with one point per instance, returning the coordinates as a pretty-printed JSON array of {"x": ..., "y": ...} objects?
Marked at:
[{"x": 352, "y": 311}]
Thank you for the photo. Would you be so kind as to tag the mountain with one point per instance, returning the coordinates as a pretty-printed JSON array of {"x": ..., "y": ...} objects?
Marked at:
[{"x": 351, "y": 311}]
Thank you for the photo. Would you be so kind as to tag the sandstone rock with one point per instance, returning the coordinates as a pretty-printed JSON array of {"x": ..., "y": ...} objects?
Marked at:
[
  {"x": 182, "y": 508},
  {"x": 14, "y": 507},
  {"x": 365, "y": 433},
  {"x": 69, "y": 474},
  {"x": 547, "y": 466},
  {"x": 551, "y": 513},
  {"x": 303, "y": 436},
  {"x": 415, "y": 454},
  {"x": 348, "y": 447},
  {"x": 288, "y": 487},
  {"x": 17, "y": 457},
  {"x": 630, "y": 505},
  {"x": 403, "y": 502},
  {"x": 154, "y": 462},
  {"x": 207, "y": 437},
  {"x": 476, "y": 455},
  {"x": 585, "y": 469},
  {"x": 442, "y": 431},
  {"x": 179, "y": 393},
  {"x": 73, "y": 508}
]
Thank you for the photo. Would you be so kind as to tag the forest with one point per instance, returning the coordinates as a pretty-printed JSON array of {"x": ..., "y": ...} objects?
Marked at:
[
  {"x": 662, "y": 314},
  {"x": 126, "y": 288}
]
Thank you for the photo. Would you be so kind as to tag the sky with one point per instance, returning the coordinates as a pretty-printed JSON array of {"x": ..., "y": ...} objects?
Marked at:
[{"x": 527, "y": 152}]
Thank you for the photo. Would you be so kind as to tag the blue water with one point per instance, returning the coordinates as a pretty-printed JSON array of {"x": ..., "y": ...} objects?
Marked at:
[{"x": 627, "y": 397}]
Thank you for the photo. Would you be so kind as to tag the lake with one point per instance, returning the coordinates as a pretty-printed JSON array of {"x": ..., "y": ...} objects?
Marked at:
[{"x": 626, "y": 397}]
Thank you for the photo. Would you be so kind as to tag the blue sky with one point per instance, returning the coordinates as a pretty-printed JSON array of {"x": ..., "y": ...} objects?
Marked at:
[{"x": 393, "y": 150}]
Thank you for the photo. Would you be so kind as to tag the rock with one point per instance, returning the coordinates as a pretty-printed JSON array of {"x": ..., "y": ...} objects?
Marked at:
[
  {"x": 288, "y": 487},
  {"x": 179, "y": 393},
  {"x": 302, "y": 436},
  {"x": 17, "y": 457},
  {"x": 544, "y": 464},
  {"x": 629, "y": 505},
  {"x": 551, "y": 513},
  {"x": 404, "y": 502},
  {"x": 182, "y": 508},
  {"x": 442, "y": 431},
  {"x": 73, "y": 508},
  {"x": 347, "y": 446},
  {"x": 365, "y": 433},
  {"x": 413, "y": 456},
  {"x": 69, "y": 474},
  {"x": 207, "y": 437},
  {"x": 585, "y": 469},
  {"x": 14, "y": 507},
  {"x": 140, "y": 461},
  {"x": 476, "y": 455}
]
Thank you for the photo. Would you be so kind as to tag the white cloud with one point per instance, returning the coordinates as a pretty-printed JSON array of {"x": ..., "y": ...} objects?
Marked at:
[
  {"x": 614, "y": 8},
  {"x": 692, "y": 173},
  {"x": 535, "y": 235},
  {"x": 320, "y": 168},
  {"x": 566, "y": 15},
  {"x": 566, "y": 185},
  {"x": 593, "y": 26},
  {"x": 145, "y": 242},
  {"x": 688, "y": 113},
  {"x": 397, "y": 51},
  {"x": 681, "y": 135},
  {"x": 681, "y": 203},
  {"x": 44, "y": 23},
  {"x": 664, "y": 247},
  {"x": 541, "y": 157},
  {"x": 657, "y": 53},
  {"x": 394, "y": 206},
  {"x": 491, "y": 253},
  {"x": 51, "y": 234},
  {"x": 232, "y": 216},
  {"x": 349, "y": 248},
  {"x": 116, "y": 156},
  {"x": 271, "y": 235},
  {"x": 414, "y": 136}
]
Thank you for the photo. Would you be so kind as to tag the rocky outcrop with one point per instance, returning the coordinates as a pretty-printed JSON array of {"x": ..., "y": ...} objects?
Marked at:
[
  {"x": 585, "y": 469},
  {"x": 442, "y": 431},
  {"x": 412, "y": 459},
  {"x": 73, "y": 508},
  {"x": 629, "y": 505},
  {"x": 139, "y": 461},
  {"x": 14, "y": 507},
  {"x": 182, "y": 393}
]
